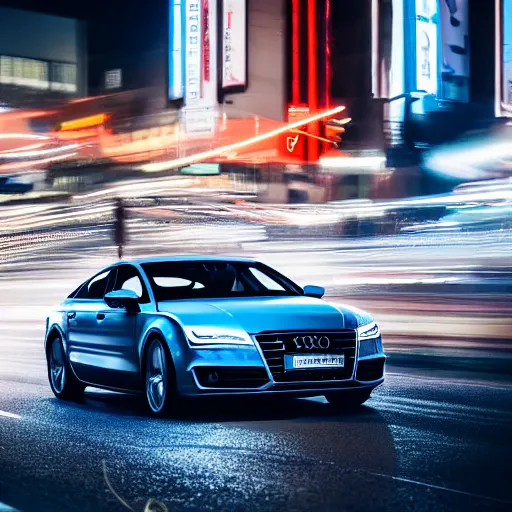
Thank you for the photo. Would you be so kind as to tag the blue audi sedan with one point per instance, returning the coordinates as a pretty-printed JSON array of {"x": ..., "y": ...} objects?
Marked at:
[{"x": 180, "y": 327}]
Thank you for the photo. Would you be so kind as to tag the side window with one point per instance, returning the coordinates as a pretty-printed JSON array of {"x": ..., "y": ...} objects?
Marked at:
[
  {"x": 266, "y": 280},
  {"x": 95, "y": 288},
  {"x": 128, "y": 278}
]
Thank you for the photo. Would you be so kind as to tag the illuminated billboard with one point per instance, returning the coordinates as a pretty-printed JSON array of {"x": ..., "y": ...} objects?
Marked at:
[
  {"x": 455, "y": 49},
  {"x": 506, "y": 53},
  {"x": 234, "y": 43},
  {"x": 426, "y": 46},
  {"x": 193, "y": 52},
  {"x": 503, "y": 58},
  {"x": 176, "y": 50},
  {"x": 192, "y": 55}
]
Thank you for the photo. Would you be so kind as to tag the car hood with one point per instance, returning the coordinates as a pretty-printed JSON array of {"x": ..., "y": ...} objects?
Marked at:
[{"x": 257, "y": 314}]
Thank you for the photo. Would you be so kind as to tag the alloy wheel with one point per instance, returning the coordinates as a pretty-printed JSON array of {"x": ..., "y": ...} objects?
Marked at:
[
  {"x": 57, "y": 366},
  {"x": 156, "y": 376}
]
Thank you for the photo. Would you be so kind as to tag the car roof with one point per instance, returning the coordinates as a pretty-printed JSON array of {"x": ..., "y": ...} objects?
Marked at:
[{"x": 191, "y": 257}]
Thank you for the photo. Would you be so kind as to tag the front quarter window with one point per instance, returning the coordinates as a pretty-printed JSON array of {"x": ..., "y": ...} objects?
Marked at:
[
  {"x": 134, "y": 285},
  {"x": 128, "y": 278}
]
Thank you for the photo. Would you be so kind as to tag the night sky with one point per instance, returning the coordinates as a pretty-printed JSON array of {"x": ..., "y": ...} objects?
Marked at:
[
  {"x": 120, "y": 32},
  {"x": 113, "y": 25}
]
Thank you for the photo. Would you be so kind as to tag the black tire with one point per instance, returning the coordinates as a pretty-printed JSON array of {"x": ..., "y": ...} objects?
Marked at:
[
  {"x": 347, "y": 400},
  {"x": 63, "y": 381},
  {"x": 159, "y": 379}
]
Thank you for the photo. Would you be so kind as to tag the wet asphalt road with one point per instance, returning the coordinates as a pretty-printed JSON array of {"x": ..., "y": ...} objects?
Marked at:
[{"x": 423, "y": 442}]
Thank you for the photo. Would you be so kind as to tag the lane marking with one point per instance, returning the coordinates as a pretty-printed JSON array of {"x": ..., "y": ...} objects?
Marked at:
[
  {"x": 10, "y": 415},
  {"x": 440, "y": 488}
]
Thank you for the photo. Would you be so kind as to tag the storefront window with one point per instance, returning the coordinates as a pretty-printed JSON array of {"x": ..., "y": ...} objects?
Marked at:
[
  {"x": 34, "y": 73},
  {"x": 63, "y": 77},
  {"x": 25, "y": 72}
]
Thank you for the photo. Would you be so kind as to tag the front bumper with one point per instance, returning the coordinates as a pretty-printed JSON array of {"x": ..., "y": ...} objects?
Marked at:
[{"x": 244, "y": 370}]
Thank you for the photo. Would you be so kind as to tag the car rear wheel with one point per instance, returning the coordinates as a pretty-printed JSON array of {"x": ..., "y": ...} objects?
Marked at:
[
  {"x": 347, "y": 400},
  {"x": 63, "y": 382},
  {"x": 160, "y": 379}
]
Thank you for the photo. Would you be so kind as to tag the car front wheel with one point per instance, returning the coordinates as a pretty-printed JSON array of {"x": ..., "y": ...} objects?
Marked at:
[
  {"x": 160, "y": 380},
  {"x": 63, "y": 382},
  {"x": 347, "y": 400}
]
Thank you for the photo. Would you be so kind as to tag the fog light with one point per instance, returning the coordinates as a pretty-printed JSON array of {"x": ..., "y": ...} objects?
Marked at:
[{"x": 213, "y": 378}]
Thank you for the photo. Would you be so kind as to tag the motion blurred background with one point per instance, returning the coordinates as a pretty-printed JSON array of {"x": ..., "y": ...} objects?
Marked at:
[{"x": 377, "y": 165}]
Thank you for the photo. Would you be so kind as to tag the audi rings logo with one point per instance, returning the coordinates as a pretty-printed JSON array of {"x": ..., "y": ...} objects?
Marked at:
[{"x": 312, "y": 342}]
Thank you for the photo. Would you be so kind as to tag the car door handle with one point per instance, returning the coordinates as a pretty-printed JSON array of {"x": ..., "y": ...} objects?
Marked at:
[
  {"x": 100, "y": 316},
  {"x": 71, "y": 315}
]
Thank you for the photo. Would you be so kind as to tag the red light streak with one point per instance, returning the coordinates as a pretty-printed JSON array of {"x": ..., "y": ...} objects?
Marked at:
[
  {"x": 206, "y": 155},
  {"x": 26, "y": 114},
  {"x": 206, "y": 42},
  {"x": 321, "y": 139},
  {"x": 328, "y": 54},
  {"x": 312, "y": 58},
  {"x": 313, "y": 148},
  {"x": 295, "y": 53}
]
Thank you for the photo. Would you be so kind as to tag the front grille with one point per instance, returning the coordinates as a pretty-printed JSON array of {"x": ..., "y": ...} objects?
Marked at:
[{"x": 276, "y": 345}]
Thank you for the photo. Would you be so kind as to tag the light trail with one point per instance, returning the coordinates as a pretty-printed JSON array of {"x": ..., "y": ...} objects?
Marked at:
[
  {"x": 4, "y": 414},
  {"x": 206, "y": 155},
  {"x": 28, "y": 136},
  {"x": 43, "y": 152},
  {"x": 27, "y": 165}
]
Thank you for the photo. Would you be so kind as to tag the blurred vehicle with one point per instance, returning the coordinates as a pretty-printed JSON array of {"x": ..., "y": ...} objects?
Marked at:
[
  {"x": 14, "y": 185},
  {"x": 484, "y": 186},
  {"x": 471, "y": 218},
  {"x": 191, "y": 326}
]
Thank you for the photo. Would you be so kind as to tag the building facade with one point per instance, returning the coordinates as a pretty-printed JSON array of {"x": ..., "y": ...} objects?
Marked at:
[
  {"x": 43, "y": 58},
  {"x": 434, "y": 64}
]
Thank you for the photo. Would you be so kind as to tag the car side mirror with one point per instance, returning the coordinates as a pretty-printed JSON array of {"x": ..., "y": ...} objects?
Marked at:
[
  {"x": 127, "y": 299},
  {"x": 314, "y": 291}
]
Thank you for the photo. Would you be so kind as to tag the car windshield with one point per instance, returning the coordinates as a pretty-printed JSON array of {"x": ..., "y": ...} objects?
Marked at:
[{"x": 174, "y": 280}]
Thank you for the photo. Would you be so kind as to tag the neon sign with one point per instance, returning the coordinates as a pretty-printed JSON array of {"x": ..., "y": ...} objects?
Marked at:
[
  {"x": 234, "y": 43},
  {"x": 176, "y": 50},
  {"x": 193, "y": 52}
]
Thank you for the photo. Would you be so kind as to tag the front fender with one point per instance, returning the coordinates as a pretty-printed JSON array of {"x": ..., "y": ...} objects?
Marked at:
[
  {"x": 169, "y": 330},
  {"x": 56, "y": 321}
]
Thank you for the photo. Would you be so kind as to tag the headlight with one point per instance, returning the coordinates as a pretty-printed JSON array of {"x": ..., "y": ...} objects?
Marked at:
[
  {"x": 369, "y": 340},
  {"x": 368, "y": 331},
  {"x": 217, "y": 336}
]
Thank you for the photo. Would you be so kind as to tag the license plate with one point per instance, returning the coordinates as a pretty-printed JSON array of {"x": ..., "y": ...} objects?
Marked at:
[{"x": 298, "y": 362}]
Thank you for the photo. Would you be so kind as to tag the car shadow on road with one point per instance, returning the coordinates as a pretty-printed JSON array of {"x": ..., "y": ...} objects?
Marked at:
[
  {"x": 229, "y": 409},
  {"x": 235, "y": 409}
]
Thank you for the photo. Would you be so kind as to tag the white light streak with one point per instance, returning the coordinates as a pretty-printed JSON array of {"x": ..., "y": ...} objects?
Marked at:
[{"x": 4, "y": 414}]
